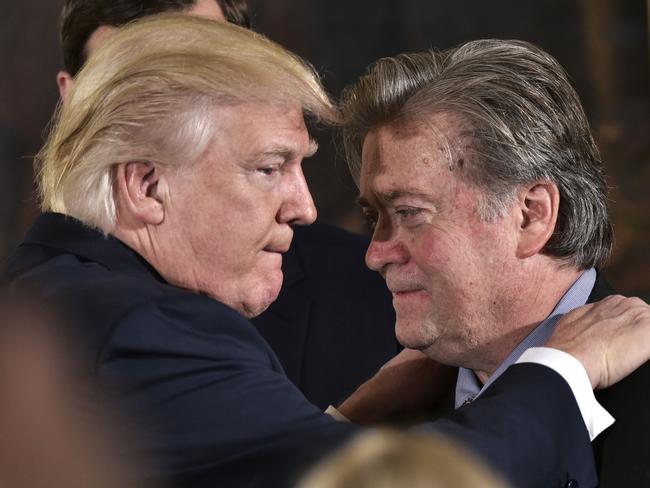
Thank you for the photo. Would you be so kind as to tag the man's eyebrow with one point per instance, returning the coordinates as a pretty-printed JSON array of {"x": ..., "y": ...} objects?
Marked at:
[
  {"x": 391, "y": 195},
  {"x": 287, "y": 152}
]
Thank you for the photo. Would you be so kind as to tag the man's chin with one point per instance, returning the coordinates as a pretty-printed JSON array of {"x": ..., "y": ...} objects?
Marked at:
[
  {"x": 252, "y": 311},
  {"x": 410, "y": 334},
  {"x": 410, "y": 341},
  {"x": 262, "y": 295}
]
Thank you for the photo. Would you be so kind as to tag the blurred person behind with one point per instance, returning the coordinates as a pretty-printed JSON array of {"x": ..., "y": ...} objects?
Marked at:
[
  {"x": 388, "y": 459},
  {"x": 49, "y": 436}
]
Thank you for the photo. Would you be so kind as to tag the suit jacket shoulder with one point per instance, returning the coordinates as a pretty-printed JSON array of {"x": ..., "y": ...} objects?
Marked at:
[
  {"x": 192, "y": 378},
  {"x": 623, "y": 451}
]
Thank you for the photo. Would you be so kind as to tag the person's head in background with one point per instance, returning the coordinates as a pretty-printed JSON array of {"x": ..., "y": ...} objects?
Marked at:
[
  {"x": 386, "y": 459},
  {"x": 84, "y": 24}
]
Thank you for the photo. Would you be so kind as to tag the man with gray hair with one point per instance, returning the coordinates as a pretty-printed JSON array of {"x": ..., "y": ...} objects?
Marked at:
[
  {"x": 479, "y": 173},
  {"x": 170, "y": 185}
]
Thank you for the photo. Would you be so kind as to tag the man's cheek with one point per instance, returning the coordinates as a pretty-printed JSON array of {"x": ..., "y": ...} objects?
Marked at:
[{"x": 431, "y": 251}]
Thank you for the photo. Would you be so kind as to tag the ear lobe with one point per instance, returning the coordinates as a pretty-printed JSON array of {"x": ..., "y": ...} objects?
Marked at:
[
  {"x": 64, "y": 81},
  {"x": 539, "y": 205},
  {"x": 138, "y": 192}
]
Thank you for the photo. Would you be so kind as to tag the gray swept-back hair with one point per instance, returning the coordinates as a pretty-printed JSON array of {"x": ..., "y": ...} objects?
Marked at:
[
  {"x": 521, "y": 120},
  {"x": 149, "y": 93}
]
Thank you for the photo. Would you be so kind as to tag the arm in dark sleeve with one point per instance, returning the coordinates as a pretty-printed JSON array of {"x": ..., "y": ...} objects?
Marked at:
[
  {"x": 219, "y": 409},
  {"x": 211, "y": 398},
  {"x": 528, "y": 427}
]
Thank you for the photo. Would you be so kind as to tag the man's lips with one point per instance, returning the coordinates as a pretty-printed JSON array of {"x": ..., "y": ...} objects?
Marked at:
[
  {"x": 397, "y": 288},
  {"x": 279, "y": 243},
  {"x": 405, "y": 292},
  {"x": 277, "y": 248}
]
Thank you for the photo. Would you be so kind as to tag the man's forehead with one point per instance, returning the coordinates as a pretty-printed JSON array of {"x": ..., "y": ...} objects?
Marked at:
[
  {"x": 434, "y": 140},
  {"x": 98, "y": 37},
  {"x": 390, "y": 177},
  {"x": 435, "y": 126},
  {"x": 401, "y": 160},
  {"x": 209, "y": 9},
  {"x": 265, "y": 129},
  {"x": 385, "y": 152}
]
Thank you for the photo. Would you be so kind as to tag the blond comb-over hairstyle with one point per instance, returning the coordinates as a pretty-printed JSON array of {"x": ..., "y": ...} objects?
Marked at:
[{"x": 147, "y": 94}]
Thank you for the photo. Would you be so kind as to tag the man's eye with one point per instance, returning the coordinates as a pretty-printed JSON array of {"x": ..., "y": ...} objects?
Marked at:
[
  {"x": 371, "y": 218},
  {"x": 269, "y": 170},
  {"x": 407, "y": 213}
]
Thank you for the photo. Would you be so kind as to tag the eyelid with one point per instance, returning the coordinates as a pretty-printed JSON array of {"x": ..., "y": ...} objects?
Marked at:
[
  {"x": 410, "y": 216},
  {"x": 407, "y": 210},
  {"x": 370, "y": 215},
  {"x": 269, "y": 169}
]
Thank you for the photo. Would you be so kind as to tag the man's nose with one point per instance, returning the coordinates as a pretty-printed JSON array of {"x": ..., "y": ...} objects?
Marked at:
[
  {"x": 298, "y": 208},
  {"x": 384, "y": 251}
]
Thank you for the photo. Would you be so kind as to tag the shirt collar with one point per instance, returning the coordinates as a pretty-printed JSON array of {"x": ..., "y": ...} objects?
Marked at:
[{"x": 468, "y": 387}]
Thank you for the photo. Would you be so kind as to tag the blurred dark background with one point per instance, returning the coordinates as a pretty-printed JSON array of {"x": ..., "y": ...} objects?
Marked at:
[{"x": 603, "y": 44}]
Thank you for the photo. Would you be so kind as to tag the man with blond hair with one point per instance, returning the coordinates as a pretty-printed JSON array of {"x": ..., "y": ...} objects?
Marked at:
[
  {"x": 170, "y": 184},
  {"x": 321, "y": 299}
]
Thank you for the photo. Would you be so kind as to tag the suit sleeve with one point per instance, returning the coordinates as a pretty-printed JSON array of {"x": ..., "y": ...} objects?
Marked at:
[
  {"x": 211, "y": 399},
  {"x": 528, "y": 427}
]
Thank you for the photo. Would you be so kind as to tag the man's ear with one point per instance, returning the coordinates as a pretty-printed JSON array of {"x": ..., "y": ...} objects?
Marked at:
[
  {"x": 64, "y": 81},
  {"x": 138, "y": 191},
  {"x": 539, "y": 205}
]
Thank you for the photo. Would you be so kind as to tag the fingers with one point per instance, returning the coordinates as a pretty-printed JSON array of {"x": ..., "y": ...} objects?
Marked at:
[{"x": 611, "y": 338}]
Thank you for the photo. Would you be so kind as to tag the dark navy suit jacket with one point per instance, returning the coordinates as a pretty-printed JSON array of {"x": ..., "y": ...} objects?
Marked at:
[
  {"x": 623, "y": 450},
  {"x": 208, "y": 394}
]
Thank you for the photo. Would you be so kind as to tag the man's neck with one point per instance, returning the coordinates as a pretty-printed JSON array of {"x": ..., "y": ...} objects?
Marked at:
[{"x": 537, "y": 294}]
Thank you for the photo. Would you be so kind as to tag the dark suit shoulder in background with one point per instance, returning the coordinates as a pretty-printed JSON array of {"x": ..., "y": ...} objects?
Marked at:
[{"x": 333, "y": 325}]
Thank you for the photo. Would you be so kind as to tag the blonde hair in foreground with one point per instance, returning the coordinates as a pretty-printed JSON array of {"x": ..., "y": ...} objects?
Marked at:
[
  {"x": 386, "y": 459},
  {"x": 147, "y": 95}
]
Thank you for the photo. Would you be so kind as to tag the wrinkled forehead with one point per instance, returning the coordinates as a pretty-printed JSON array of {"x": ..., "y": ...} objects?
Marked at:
[
  {"x": 437, "y": 139},
  {"x": 264, "y": 130}
]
